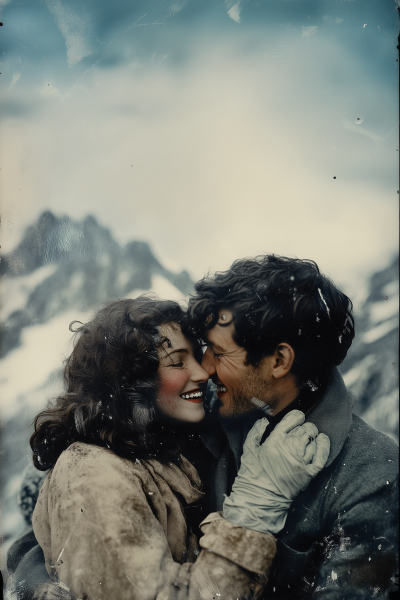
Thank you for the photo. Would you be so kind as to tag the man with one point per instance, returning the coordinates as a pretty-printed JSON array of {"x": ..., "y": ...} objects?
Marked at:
[{"x": 276, "y": 329}]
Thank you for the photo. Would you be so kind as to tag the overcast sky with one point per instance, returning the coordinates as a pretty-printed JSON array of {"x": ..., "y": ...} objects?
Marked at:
[{"x": 211, "y": 129}]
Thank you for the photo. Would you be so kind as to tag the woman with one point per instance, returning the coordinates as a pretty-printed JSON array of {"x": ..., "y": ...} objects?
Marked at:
[{"x": 114, "y": 517}]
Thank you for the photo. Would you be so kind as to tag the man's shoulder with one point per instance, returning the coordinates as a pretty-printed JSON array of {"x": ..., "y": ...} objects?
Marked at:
[
  {"x": 368, "y": 457},
  {"x": 364, "y": 474},
  {"x": 364, "y": 439}
]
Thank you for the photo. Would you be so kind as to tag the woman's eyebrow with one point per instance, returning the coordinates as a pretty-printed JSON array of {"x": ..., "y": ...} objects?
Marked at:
[{"x": 179, "y": 350}]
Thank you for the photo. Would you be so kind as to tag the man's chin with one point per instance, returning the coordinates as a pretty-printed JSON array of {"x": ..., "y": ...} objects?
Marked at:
[
  {"x": 224, "y": 411},
  {"x": 230, "y": 410}
]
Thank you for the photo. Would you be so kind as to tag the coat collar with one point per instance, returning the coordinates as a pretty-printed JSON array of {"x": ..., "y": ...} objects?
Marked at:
[
  {"x": 184, "y": 480},
  {"x": 333, "y": 414}
]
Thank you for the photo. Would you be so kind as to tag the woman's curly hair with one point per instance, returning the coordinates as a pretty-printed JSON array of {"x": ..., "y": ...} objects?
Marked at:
[{"x": 111, "y": 385}]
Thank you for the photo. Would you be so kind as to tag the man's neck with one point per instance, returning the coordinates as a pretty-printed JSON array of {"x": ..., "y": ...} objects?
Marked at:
[
  {"x": 282, "y": 392},
  {"x": 285, "y": 400},
  {"x": 305, "y": 401}
]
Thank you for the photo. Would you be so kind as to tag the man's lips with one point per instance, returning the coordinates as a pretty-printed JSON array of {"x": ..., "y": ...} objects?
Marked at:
[
  {"x": 195, "y": 396},
  {"x": 221, "y": 390}
]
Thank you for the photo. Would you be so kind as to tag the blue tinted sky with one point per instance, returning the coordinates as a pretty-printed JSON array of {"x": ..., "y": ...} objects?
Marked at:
[{"x": 211, "y": 129}]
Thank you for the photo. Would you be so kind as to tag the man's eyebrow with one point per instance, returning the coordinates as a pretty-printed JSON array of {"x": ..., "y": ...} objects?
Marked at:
[{"x": 215, "y": 346}]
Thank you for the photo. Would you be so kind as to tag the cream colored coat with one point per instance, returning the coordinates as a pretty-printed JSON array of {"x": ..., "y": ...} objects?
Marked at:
[{"x": 111, "y": 529}]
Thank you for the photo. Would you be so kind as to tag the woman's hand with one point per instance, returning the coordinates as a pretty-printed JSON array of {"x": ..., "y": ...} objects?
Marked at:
[{"x": 272, "y": 474}]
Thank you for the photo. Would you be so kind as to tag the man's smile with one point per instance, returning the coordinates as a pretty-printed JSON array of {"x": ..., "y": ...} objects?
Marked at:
[{"x": 221, "y": 389}]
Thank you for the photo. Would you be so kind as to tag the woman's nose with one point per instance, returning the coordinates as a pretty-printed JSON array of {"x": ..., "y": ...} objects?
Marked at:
[
  {"x": 208, "y": 362},
  {"x": 201, "y": 375}
]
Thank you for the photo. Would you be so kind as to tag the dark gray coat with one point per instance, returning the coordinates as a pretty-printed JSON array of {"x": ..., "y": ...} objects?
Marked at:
[{"x": 340, "y": 537}]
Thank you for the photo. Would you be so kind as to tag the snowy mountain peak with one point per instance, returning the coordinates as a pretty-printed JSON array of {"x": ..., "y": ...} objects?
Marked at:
[
  {"x": 62, "y": 264},
  {"x": 371, "y": 366}
]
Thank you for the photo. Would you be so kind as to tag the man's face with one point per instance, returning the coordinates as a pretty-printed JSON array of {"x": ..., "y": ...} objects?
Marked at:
[{"x": 237, "y": 382}]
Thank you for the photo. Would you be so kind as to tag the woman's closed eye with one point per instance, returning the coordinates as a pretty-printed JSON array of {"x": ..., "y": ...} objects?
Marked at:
[
  {"x": 217, "y": 355},
  {"x": 178, "y": 364}
]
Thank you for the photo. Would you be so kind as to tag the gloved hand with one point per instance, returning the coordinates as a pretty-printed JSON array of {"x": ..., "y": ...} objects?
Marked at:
[{"x": 272, "y": 474}]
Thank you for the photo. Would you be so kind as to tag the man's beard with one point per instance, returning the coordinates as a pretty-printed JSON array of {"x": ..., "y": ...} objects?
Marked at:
[{"x": 253, "y": 386}]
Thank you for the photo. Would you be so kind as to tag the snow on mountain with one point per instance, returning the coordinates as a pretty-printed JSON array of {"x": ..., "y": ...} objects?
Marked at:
[
  {"x": 371, "y": 368},
  {"x": 18, "y": 289},
  {"x": 91, "y": 268}
]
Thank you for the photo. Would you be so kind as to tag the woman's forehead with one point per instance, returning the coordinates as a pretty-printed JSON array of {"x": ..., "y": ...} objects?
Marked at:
[{"x": 173, "y": 332}]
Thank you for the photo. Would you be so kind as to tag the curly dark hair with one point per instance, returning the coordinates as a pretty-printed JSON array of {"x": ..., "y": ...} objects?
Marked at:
[
  {"x": 111, "y": 385},
  {"x": 275, "y": 299}
]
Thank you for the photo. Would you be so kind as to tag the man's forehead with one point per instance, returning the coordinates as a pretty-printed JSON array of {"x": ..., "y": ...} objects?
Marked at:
[{"x": 223, "y": 329}]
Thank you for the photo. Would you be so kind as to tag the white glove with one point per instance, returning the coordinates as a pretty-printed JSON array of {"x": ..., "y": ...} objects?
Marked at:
[{"x": 272, "y": 474}]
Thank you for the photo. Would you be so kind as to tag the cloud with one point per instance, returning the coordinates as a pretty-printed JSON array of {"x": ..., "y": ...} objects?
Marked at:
[
  {"x": 48, "y": 90},
  {"x": 177, "y": 7},
  {"x": 234, "y": 10},
  {"x": 361, "y": 130},
  {"x": 14, "y": 80},
  {"x": 309, "y": 31},
  {"x": 230, "y": 153},
  {"x": 76, "y": 28}
]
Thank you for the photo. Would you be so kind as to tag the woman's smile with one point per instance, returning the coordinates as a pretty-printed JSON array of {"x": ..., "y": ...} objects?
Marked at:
[
  {"x": 193, "y": 395},
  {"x": 180, "y": 395}
]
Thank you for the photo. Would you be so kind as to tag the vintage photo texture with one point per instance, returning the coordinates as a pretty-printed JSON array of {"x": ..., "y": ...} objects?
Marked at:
[{"x": 145, "y": 144}]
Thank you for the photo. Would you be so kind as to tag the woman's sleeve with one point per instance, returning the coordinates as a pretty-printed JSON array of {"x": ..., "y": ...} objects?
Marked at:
[{"x": 101, "y": 538}]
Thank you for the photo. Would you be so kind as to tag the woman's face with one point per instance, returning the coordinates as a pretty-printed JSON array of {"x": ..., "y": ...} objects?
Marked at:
[{"x": 180, "y": 396}]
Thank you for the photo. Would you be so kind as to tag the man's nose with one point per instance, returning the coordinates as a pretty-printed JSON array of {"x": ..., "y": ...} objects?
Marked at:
[{"x": 208, "y": 362}]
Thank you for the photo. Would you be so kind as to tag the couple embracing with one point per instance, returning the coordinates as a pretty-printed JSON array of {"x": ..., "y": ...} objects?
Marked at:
[{"x": 213, "y": 454}]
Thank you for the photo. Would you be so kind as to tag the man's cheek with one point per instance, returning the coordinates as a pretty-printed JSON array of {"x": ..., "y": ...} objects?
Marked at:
[{"x": 228, "y": 371}]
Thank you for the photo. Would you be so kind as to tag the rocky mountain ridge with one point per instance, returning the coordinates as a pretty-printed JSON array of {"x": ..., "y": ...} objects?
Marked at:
[
  {"x": 370, "y": 369},
  {"x": 91, "y": 268}
]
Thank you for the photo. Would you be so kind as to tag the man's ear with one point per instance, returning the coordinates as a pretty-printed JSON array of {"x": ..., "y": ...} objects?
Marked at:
[{"x": 283, "y": 360}]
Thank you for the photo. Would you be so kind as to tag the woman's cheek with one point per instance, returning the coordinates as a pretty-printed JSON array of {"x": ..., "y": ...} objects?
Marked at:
[{"x": 172, "y": 385}]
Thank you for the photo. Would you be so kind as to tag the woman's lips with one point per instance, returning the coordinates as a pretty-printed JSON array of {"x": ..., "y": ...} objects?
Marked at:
[{"x": 195, "y": 396}]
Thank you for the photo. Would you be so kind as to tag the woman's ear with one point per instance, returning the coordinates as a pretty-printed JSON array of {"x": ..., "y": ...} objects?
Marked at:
[{"x": 283, "y": 360}]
